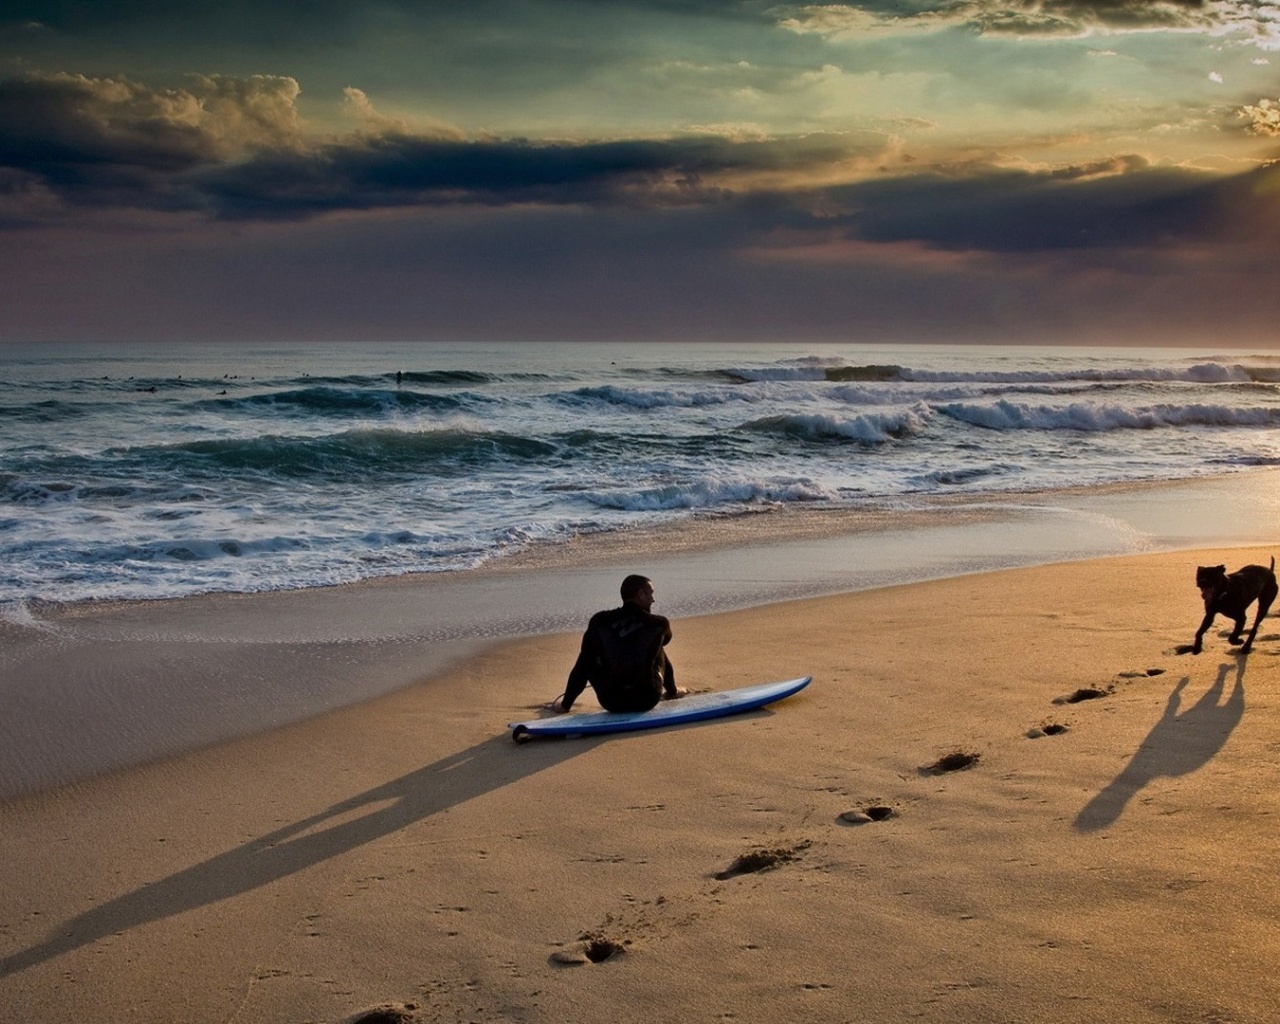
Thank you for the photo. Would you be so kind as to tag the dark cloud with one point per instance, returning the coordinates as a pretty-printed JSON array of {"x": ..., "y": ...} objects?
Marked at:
[
  {"x": 1116, "y": 204},
  {"x": 407, "y": 171},
  {"x": 403, "y": 170},
  {"x": 112, "y": 142},
  {"x": 231, "y": 148},
  {"x": 1121, "y": 204},
  {"x": 54, "y": 123}
]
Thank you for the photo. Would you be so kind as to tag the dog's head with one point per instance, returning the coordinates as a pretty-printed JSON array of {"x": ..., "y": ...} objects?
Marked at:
[{"x": 1209, "y": 578}]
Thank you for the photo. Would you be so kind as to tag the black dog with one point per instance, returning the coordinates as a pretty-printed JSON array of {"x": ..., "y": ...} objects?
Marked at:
[{"x": 1232, "y": 595}]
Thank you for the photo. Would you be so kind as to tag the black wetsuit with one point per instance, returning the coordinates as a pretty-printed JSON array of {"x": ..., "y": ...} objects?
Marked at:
[{"x": 622, "y": 657}]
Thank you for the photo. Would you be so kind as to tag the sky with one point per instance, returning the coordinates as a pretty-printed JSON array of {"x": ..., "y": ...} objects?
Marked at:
[{"x": 1057, "y": 171}]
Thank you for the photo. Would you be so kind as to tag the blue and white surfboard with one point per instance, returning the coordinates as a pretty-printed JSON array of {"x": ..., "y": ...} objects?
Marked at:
[{"x": 694, "y": 708}]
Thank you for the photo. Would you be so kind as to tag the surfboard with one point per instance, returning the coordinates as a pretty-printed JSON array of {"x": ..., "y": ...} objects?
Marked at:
[{"x": 694, "y": 708}]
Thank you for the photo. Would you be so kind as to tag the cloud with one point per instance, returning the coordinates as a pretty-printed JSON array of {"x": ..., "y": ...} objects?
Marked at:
[
  {"x": 1108, "y": 206},
  {"x": 235, "y": 149},
  {"x": 1264, "y": 118},
  {"x": 1253, "y": 23},
  {"x": 113, "y": 142},
  {"x": 245, "y": 114},
  {"x": 356, "y": 104},
  {"x": 404, "y": 170},
  {"x": 46, "y": 119}
]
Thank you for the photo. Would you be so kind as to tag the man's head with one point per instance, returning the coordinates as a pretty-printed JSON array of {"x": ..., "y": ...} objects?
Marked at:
[{"x": 638, "y": 590}]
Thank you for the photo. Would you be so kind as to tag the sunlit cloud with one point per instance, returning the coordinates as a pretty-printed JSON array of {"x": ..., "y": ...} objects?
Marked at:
[
  {"x": 1264, "y": 117},
  {"x": 1250, "y": 22},
  {"x": 118, "y": 120}
]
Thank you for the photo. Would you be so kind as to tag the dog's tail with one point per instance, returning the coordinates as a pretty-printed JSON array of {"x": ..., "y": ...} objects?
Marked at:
[{"x": 1273, "y": 563}]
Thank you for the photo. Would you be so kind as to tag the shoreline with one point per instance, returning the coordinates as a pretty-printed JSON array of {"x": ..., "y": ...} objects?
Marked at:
[
  {"x": 1245, "y": 495},
  {"x": 139, "y": 680},
  {"x": 1107, "y": 858},
  {"x": 750, "y": 527}
]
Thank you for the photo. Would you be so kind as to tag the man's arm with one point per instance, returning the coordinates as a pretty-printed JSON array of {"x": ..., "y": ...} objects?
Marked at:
[
  {"x": 670, "y": 691},
  {"x": 580, "y": 674}
]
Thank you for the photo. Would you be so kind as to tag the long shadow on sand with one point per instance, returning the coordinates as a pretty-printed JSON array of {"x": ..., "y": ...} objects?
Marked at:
[
  {"x": 1177, "y": 744},
  {"x": 453, "y": 780}
]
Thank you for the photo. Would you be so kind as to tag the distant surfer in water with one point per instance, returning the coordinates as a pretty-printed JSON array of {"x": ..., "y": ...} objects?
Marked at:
[{"x": 623, "y": 655}]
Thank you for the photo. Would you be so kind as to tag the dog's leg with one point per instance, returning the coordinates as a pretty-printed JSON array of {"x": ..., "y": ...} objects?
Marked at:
[
  {"x": 1204, "y": 628},
  {"x": 1239, "y": 620},
  {"x": 1264, "y": 605}
]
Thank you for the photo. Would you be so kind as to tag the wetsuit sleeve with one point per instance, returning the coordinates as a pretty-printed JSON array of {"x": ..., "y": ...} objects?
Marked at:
[
  {"x": 669, "y": 688},
  {"x": 580, "y": 674}
]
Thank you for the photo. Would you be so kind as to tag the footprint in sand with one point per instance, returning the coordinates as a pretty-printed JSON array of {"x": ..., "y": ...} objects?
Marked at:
[
  {"x": 957, "y": 761},
  {"x": 387, "y": 1013},
  {"x": 1048, "y": 729},
  {"x": 1145, "y": 673},
  {"x": 761, "y": 860},
  {"x": 1083, "y": 694},
  {"x": 591, "y": 948},
  {"x": 866, "y": 815}
]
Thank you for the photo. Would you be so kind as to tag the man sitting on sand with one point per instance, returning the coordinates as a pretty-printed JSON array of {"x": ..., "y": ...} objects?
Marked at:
[{"x": 622, "y": 655}]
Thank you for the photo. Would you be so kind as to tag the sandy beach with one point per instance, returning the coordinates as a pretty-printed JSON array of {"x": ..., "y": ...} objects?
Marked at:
[{"x": 1100, "y": 859}]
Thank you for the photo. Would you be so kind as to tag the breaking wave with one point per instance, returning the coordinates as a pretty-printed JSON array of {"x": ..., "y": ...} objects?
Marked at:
[
  {"x": 868, "y": 428},
  {"x": 1085, "y": 416}
]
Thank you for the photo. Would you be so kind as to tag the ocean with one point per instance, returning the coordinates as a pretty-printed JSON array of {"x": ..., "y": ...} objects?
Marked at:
[{"x": 138, "y": 472}]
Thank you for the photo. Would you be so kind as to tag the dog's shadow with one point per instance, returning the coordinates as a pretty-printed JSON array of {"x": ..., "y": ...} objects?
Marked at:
[{"x": 1179, "y": 743}]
